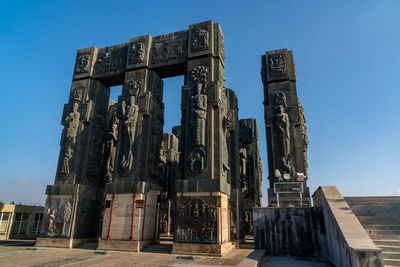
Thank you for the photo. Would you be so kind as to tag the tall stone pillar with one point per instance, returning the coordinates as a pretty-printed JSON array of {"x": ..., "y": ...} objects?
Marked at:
[
  {"x": 235, "y": 201},
  {"x": 202, "y": 222},
  {"x": 250, "y": 171},
  {"x": 74, "y": 203},
  {"x": 170, "y": 156},
  {"x": 131, "y": 215},
  {"x": 286, "y": 131}
]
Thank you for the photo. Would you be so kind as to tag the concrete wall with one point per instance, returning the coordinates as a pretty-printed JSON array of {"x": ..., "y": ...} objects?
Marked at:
[
  {"x": 348, "y": 242},
  {"x": 290, "y": 231}
]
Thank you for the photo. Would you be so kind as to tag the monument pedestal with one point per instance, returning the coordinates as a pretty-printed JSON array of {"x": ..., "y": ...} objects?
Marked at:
[
  {"x": 130, "y": 220},
  {"x": 202, "y": 223},
  {"x": 72, "y": 215}
]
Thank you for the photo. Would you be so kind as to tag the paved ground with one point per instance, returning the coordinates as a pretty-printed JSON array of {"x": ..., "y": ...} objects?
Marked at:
[
  {"x": 291, "y": 262},
  {"x": 24, "y": 254}
]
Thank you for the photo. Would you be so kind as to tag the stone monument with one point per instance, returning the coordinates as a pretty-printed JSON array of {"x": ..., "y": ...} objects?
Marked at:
[
  {"x": 112, "y": 162},
  {"x": 202, "y": 222},
  {"x": 250, "y": 171},
  {"x": 286, "y": 132}
]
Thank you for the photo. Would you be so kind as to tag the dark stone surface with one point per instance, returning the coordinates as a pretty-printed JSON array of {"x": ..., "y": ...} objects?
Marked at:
[
  {"x": 296, "y": 232},
  {"x": 197, "y": 219},
  {"x": 117, "y": 147},
  {"x": 286, "y": 131},
  {"x": 250, "y": 171}
]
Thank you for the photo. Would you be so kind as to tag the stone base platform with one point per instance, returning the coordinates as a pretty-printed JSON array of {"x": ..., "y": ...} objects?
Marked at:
[
  {"x": 59, "y": 242},
  {"x": 217, "y": 250},
  {"x": 124, "y": 245}
]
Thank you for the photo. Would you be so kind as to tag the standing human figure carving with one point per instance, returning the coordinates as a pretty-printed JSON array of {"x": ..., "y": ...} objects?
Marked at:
[
  {"x": 130, "y": 115},
  {"x": 111, "y": 144},
  {"x": 199, "y": 115},
  {"x": 67, "y": 156},
  {"x": 283, "y": 126},
  {"x": 72, "y": 120}
]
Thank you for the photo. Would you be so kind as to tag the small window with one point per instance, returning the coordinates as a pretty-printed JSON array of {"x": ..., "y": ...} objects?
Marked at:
[{"x": 108, "y": 204}]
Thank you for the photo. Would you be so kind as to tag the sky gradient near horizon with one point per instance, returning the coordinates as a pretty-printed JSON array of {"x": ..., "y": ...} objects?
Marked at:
[{"x": 347, "y": 55}]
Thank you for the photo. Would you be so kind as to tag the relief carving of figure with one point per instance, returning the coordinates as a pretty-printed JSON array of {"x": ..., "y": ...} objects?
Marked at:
[
  {"x": 82, "y": 63},
  {"x": 197, "y": 161},
  {"x": 51, "y": 229},
  {"x": 283, "y": 126},
  {"x": 137, "y": 52},
  {"x": 111, "y": 145},
  {"x": 277, "y": 63},
  {"x": 243, "y": 161},
  {"x": 199, "y": 115},
  {"x": 72, "y": 120},
  {"x": 248, "y": 222},
  {"x": 199, "y": 39},
  {"x": 134, "y": 86},
  {"x": 130, "y": 117},
  {"x": 65, "y": 165}
]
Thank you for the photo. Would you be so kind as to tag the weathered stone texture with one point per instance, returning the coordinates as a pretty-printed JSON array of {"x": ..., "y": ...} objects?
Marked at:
[
  {"x": 118, "y": 150},
  {"x": 286, "y": 131},
  {"x": 296, "y": 232},
  {"x": 250, "y": 171}
]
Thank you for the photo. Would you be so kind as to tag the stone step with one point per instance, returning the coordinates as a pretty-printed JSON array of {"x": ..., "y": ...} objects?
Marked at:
[
  {"x": 379, "y": 219},
  {"x": 390, "y": 249},
  {"x": 381, "y": 226},
  {"x": 382, "y": 232},
  {"x": 391, "y": 255},
  {"x": 372, "y": 200},
  {"x": 391, "y": 262},
  {"x": 385, "y": 237},
  {"x": 387, "y": 242},
  {"x": 381, "y": 210}
]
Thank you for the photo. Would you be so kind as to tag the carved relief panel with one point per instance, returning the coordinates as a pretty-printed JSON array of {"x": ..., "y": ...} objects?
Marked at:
[
  {"x": 110, "y": 59},
  {"x": 278, "y": 65},
  {"x": 84, "y": 62},
  {"x": 169, "y": 47},
  {"x": 196, "y": 220},
  {"x": 201, "y": 39},
  {"x": 138, "y": 52},
  {"x": 57, "y": 219}
]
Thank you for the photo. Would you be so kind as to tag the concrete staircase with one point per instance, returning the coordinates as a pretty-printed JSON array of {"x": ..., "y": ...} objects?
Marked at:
[{"x": 380, "y": 216}]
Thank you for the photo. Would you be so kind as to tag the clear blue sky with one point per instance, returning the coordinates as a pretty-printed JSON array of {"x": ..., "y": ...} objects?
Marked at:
[{"x": 347, "y": 55}]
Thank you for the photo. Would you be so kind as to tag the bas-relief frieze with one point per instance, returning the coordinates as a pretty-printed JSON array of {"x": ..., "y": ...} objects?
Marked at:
[
  {"x": 196, "y": 220},
  {"x": 65, "y": 169},
  {"x": 58, "y": 217},
  {"x": 169, "y": 47},
  {"x": 277, "y": 63},
  {"x": 71, "y": 123},
  {"x": 110, "y": 59},
  {"x": 200, "y": 38},
  {"x": 135, "y": 86},
  {"x": 136, "y": 53},
  {"x": 199, "y": 74},
  {"x": 129, "y": 113},
  {"x": 82, "y": 63},
  {"x": 111, "y": 143}
]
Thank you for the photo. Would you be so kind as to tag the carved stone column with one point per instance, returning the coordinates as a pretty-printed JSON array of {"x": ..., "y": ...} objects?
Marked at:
[
  {"x": 285, "y": 128},
  {"x": 251, "y": 171},
  {"x": 74, "y": 202},
  {"x": 137, "y": 177},
  {"x": 203, "y": 223}
]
